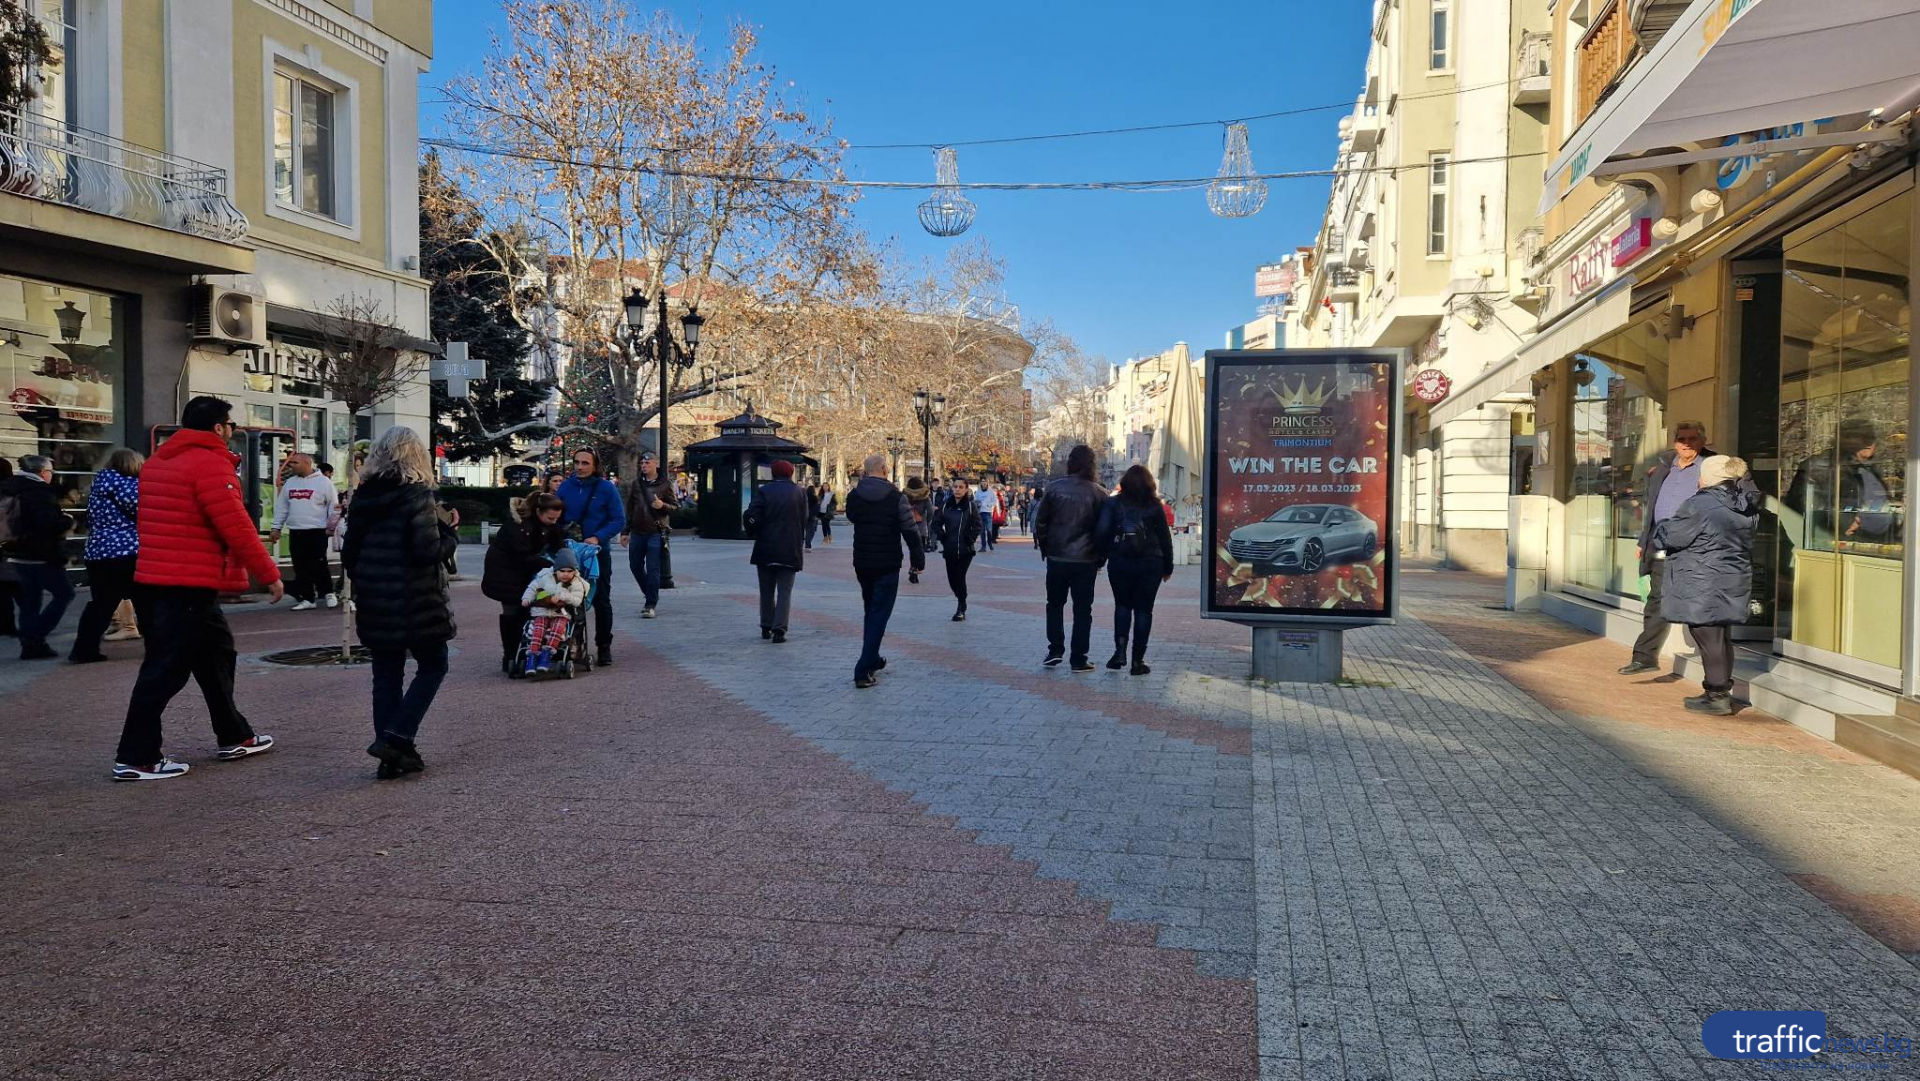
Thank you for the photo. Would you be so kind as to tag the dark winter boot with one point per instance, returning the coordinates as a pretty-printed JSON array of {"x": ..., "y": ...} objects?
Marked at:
[
  {"x": 1119, "y": 658},
  {"x": 1718, "y": 703}
]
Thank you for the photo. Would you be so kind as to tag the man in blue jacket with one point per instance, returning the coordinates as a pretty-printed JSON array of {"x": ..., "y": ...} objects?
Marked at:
[{"x": 593, "y": 503}]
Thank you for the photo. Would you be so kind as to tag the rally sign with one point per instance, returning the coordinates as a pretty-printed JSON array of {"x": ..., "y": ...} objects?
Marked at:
[{"x": 1302, "y": 451}]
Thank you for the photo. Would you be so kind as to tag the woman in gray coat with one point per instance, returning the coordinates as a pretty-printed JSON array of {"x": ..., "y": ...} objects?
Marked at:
[{"x": 1707, "y": 549}]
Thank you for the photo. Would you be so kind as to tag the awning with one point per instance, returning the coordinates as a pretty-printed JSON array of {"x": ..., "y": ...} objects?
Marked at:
[
  {"x": 1587, "y": 322},
  {"x": 1728, "y": 67}
]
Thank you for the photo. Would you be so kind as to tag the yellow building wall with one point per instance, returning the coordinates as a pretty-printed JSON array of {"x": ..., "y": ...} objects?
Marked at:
[
  {"x": 409, "y": 21},
  {"x": 143, "y": 73},
  {"x": 253, "y": 24},
  {"x": 1423, "y": 126}
]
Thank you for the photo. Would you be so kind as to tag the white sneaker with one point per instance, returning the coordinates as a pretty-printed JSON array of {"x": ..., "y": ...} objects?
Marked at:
[
  {"x": 303, "y": 606},
  {"x": 121, "y": 634},
  {"x": 159, "y": 771},
  {"x": 333, "y": 600},
  {"x": 259, "y": 744}
]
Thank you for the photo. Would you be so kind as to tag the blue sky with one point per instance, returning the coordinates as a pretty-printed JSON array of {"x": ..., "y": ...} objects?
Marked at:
[{"x": 1126, "y": 274}]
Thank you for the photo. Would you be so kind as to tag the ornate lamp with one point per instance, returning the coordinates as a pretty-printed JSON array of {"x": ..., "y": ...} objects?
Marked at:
[
  {"x": 1237, "y": 190},
  {"x": 946, "y": 212}
]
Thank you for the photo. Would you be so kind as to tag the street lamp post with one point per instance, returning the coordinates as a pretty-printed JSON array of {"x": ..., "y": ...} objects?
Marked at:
[
  {"x": 928, "y": 411},
  {"x": 895, "y": 445},
  {"x": 668, "y": 354}
]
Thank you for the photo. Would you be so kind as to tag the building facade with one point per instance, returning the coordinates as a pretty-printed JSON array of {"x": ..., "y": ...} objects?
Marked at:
[
  {"x": 1729, "y": 221},
  {"x": 1155, "y": 417},
  {"x": 195, "y": 188},
  {"x": 1437, "y": 181}
]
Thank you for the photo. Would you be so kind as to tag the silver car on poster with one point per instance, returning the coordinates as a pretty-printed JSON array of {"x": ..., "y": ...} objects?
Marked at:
[{"x": 1305, "y": 537}]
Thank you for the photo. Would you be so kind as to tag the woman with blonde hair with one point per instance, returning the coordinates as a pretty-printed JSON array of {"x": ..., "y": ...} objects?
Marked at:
[
  {"x": 113, "y": 546},
  {"x": 395, "y": 552}
]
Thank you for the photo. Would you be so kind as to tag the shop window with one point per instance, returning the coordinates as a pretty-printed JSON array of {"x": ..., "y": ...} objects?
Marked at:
[
  {"x": 1844, "y": 376},
  {"x": 1619, "y": 430},
  {"x": 63, "y": 376}
]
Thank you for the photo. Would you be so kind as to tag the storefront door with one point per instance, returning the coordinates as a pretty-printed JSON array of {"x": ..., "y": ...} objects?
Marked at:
[{"x": 1844, "y": 406}]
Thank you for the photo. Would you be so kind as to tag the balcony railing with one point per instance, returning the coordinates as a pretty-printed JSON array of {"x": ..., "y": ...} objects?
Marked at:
[
  {"x": 44, "y": 159},
  {"x": 1605, "y": 52}
]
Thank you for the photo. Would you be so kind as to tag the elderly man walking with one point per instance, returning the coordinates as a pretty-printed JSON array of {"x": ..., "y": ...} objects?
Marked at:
[
  {"x": 776, "y": 518},
  {"x": 1672, "y": 480},
  {"x": 882, "y": 523},
  {"x": 37, "y": 552}
]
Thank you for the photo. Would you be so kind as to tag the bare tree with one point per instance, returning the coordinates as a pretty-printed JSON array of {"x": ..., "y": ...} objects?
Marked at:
[
  {"x": 613, "y": 142},
  {"x": 365, "y": 360}
]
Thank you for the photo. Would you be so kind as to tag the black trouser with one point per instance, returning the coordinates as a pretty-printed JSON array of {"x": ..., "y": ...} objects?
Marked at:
[
  {"x": 1653, "y": 626},
  {"x": 1076, "y": 580},
  {"x": 878, "y": 590},
  {"x": 311, "y": 579},
  {"x": 399, "y": 707},
  {"x": 603, "y": 605},
  {"x": 513, "y": 617},
  {"x": 957, "y": 564},
  {"x": 776, "y": 597},
  {"x": 1716, "y": 656},
  {"x": 1135, "y": 583},
  {"x": 826, "y": 527},
  {"x": 109, "y": 581},
  {"x": 186, "y": 635},
  {"x": 9, "y": 603}
]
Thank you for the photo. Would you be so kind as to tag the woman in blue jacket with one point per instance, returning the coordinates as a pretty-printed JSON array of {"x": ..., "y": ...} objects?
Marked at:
[
  {"x": 113, "y": 546},
  {"x": 593, "y": 503},
  {"x": 1707, "y": 551}
]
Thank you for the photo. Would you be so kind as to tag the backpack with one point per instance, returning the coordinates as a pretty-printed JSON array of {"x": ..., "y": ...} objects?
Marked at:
[{"x": 1130, "y": 537}]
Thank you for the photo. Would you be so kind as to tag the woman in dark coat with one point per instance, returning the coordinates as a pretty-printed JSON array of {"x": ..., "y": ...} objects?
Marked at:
[
  {"x": 1707, "y": 550},
  {"x": 517, "y": 553},
  {"x": 396, "y": 551},
  {"x": 956, "y": 529},
  {"x": 1132, "y": 534}
]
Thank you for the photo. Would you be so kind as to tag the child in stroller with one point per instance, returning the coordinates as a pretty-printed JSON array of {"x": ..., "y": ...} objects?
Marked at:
[{"x": 555, "y": 598}]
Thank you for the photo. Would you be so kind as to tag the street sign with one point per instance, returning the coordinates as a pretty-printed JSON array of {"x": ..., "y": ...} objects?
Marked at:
[{"x": 456, "y": 368}]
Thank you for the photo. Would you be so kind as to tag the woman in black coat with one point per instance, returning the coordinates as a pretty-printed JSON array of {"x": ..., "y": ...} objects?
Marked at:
[
  {"x": 1707, "y": 551},
  {"x": 396, "y": 550},
  {"x": 517, "y": 553},
  {"x": 956, "y": 530},
  {"x": 1133, "y": 535}
]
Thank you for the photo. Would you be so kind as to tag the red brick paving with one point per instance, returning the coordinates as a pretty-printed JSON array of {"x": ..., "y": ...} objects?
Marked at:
[{"x": 627, "y": 875}]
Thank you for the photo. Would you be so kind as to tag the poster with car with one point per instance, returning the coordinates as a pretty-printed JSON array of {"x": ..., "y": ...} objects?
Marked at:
[{"x": 1302, "y": 459}]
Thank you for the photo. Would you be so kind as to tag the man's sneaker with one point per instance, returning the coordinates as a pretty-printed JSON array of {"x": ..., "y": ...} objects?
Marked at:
[
  {"x": 121, "y": 634},
  {"x": 605, "y": 659},
  {"x": 1054, "y": 660},
  {"x": 779, "y": 638},
  {"x": 256, "y": 745},
  {"x": 1139, "y": 668},
  {"x": 333, "y": 600},
  {"x": 648, "y": 613},
  {"x": 37, "y": 651},
  {"x": 1118, "y": 660},
  {"x": 1083, "y": 665},
  {"x": 863, "y": 682},
  {"x": 159, "y": 771},
  {"x": 1718, "y": 703},
  {"x": 304, "y": 606},
  {"x": 1634, "y": 668}
]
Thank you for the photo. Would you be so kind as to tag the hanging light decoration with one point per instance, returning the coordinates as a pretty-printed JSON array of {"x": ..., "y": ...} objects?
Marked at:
[
  {"x": 671, "y": 212},
  {"x": 1236, "y": 191},
  {"x": 946, "y": 212}
]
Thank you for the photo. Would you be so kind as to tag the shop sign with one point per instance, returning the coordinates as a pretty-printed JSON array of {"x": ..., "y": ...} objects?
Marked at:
[
  {"x": 1430, "y": 386},
  {"x": 1633, "y": 242},
  {"x": 1301, "y": 471},
  {"x": 1590, "y": 267}
]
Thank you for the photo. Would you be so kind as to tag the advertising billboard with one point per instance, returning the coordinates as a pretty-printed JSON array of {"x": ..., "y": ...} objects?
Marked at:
[
  {"x": 1302, "y": 520},
  {"x": 1275, "y": 279}
]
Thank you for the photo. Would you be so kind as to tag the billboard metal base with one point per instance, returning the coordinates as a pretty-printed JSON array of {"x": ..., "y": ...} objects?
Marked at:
[{"x": 1283, "y": 654}]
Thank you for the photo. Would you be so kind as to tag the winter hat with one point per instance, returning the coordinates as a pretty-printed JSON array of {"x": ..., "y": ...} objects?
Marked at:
[
  {"x": 1721, "y": 468},
  {"x": 783, "y": 469},
  {"x": 916, "y": 485},
  {"x": 564, "y": 560}
]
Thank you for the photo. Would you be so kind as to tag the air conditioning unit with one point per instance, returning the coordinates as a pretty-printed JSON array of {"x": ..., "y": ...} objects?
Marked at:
[{"x": 228, "y": 317}]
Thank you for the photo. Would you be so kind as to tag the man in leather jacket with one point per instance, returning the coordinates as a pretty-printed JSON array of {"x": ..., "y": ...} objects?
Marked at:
[{"x": 1063, "y": 531}]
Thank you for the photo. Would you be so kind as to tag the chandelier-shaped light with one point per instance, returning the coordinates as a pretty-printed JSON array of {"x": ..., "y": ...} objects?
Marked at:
[
  {"x": 1236, "y": 191},
  {"x": 946, "y": 212},
  {"x": 670, "y": 211}
]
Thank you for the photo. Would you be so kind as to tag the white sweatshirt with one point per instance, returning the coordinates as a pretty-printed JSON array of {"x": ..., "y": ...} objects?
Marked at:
[{"x": 308, "y": 502}]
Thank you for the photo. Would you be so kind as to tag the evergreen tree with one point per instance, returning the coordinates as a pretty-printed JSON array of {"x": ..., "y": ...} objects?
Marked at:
[{"x": 469, "y": 300}]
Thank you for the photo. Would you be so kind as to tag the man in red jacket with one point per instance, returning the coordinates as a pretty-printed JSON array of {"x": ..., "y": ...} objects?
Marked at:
[{"x": 196, "y": 542}]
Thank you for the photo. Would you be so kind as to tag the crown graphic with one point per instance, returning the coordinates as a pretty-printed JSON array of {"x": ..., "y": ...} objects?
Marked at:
[{"x": 1301, "y": 400}]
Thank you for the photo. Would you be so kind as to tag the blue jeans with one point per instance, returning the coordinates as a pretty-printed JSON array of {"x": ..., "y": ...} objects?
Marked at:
[
  {"x": 643, "y": 555},
  {"x": 878, "y": 589},
  {"x": 396, "y": 713},
  {"x": 36, "y": 580},
  {"x": 986, "y": 530}
]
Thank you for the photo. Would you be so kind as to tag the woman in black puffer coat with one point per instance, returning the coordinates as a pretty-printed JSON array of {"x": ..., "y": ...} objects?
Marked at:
[
  {"x": 517, "y": 553},
  {"x": 396, "y": 551},
  {"x": 1707, "y": 552}
]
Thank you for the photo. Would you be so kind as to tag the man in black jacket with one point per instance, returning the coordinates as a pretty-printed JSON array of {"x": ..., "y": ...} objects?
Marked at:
[
  {"x": 38, "y": 555},
  {"x": 882, "y": 522},
  {"x": 776, "y": 518},
  {"x": 1063, "y": 530}
]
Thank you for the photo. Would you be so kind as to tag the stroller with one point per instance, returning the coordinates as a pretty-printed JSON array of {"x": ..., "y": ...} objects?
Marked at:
[{"x": 575, "y": 654}]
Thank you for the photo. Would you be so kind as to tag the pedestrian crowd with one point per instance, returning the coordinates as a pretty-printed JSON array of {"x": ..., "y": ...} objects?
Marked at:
[{"x": 170, "y": 535}]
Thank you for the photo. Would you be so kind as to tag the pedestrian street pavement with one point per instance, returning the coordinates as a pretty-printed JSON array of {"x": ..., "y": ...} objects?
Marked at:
[{"x": 720, "y": 859}]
